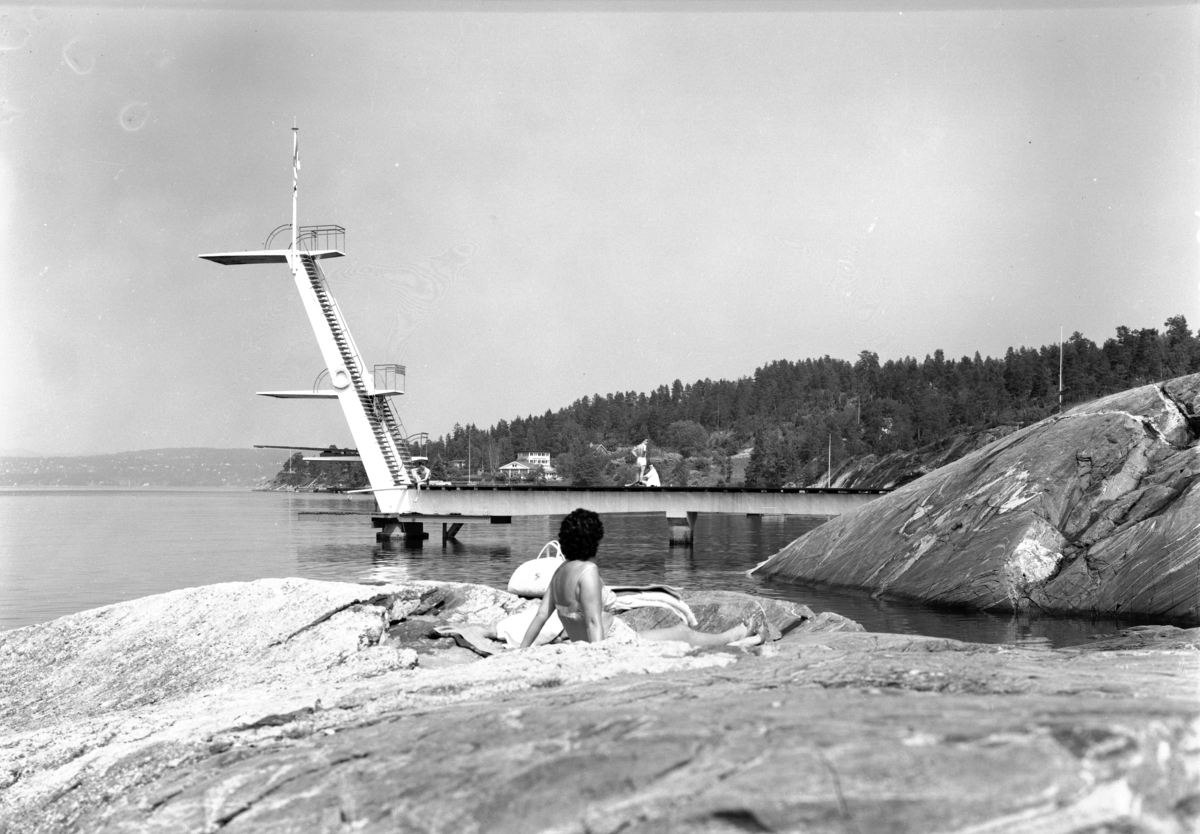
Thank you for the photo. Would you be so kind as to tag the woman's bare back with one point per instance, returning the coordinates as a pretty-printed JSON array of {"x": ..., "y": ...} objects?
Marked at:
[{"x": 576, "y": 594}]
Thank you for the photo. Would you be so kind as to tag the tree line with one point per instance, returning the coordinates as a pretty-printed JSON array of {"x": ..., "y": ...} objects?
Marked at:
[{"x": 796, "y": 414}]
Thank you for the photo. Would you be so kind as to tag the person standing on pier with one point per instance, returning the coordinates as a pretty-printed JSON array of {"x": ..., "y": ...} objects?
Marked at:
[{"x": 639, "y": 452}]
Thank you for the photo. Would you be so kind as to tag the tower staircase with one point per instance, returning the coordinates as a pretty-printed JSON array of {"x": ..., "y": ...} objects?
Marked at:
[
  {"x": 374, "y": 424},
  {"x": 380, "y": 415},
  {"x": 388, "y": 414}
]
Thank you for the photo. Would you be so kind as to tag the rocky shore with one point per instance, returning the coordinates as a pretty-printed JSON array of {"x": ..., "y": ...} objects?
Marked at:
[
  {"x": 301, "y": 706},
  {"x": 1092, "y": 512}
]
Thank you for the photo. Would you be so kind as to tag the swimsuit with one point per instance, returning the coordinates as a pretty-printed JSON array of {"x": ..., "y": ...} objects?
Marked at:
[{"x": 608, "y": 601}]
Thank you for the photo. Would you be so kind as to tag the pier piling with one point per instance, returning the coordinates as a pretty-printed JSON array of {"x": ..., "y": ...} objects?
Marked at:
[{"x": 681, "y": 528}]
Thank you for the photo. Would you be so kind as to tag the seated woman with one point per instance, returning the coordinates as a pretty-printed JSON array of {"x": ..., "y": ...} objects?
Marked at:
[{"x": 578, "y": 596}]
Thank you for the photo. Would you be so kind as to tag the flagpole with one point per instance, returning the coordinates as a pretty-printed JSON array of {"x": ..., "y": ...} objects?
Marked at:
[
  {"x": 1060, "y": 367},
  {"x": 295, "y": 181}
]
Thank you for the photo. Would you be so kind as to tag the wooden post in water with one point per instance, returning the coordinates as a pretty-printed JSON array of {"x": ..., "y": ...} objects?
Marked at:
[
  {"x": 387, "y": 529},
  {"x": 414, "y": 532}
]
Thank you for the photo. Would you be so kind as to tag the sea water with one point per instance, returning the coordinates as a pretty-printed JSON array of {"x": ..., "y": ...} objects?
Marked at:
[{"x": 67, "y": 550}]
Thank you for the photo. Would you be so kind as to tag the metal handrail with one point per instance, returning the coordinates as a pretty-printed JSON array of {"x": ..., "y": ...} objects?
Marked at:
[
  {"x": 328, "y": 236},
  {"x": 389, "y": 375},
  {"x": 274, "y": 232}
]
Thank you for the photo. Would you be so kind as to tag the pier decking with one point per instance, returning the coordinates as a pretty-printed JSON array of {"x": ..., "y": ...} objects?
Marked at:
[{"x": 453, "y": 506}]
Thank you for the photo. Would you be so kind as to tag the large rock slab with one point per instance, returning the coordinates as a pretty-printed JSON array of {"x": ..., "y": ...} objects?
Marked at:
[
  {"x": 286, "y": 706},
  {"x": 1093, "y": 512},
  {"x": 196, "y": 665}
]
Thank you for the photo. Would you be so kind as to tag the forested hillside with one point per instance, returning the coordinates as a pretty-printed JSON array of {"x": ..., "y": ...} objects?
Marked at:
[{"x": 796, "y": 413}]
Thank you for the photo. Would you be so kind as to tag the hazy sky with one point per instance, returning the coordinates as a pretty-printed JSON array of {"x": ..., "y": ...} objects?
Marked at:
[{"x": 548, "y": 201}]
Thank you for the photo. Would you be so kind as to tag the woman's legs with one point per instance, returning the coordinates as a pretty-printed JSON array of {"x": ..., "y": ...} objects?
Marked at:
[
  {"x": 750, "y": 633},
  {"x": 685, "y": 634}
]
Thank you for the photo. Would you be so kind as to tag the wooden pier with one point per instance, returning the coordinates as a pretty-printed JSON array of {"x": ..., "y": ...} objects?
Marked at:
[{"x": 453, "y": 506}]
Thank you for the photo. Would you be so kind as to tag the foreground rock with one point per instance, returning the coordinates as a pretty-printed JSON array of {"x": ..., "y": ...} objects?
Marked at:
[
  {"x": 1094, "y": 512},
  {"x": 291, "y": 705}
]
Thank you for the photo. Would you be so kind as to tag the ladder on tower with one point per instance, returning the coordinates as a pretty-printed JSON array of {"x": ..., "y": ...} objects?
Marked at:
[
  {"x": 377, "y": 409},
  {"x": 374, "y": 424}
]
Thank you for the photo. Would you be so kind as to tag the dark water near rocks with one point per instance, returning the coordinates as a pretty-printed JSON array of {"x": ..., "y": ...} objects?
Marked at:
[{"x": 67, "y": 550}]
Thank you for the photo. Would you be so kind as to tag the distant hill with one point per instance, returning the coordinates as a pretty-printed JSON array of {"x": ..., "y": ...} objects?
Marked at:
[{"x": 234, "y": 468}]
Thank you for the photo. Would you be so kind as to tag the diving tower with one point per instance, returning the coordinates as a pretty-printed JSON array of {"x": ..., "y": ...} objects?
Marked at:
[{"x": 374, "y": 423}]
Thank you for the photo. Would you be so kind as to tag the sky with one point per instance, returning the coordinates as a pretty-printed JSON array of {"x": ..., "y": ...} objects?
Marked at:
[{"x": 545, "y": 201}]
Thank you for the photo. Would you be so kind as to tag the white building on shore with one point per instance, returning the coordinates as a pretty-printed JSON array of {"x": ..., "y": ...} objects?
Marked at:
[{"x": 525, "y": 467}]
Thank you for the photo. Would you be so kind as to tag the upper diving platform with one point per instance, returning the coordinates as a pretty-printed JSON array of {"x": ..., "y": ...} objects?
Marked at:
[
  {"x": 324, "y": 241},
  {"x": 266, "y": 256}
]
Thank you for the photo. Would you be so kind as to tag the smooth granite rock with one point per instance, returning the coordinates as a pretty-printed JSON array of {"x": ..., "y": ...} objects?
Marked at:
[
  {"x": 302, "y": 706},
  {"x": 1094, "y": 512}
]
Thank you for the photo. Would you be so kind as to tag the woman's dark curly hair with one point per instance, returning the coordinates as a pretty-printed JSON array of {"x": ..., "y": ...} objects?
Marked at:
[{"x": 579, "y": 534}]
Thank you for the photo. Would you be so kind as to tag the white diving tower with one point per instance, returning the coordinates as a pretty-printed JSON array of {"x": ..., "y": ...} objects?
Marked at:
[{"x": 365, "y": 396}]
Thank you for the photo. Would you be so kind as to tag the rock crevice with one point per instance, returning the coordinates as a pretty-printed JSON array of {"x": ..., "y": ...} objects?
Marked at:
[{"x": 1185, "y": 405}]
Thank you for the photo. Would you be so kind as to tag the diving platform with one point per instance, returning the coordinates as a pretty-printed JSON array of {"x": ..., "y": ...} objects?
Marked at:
[
  {"x": 266, "y": 256},
  {"x": 323, "y": 394},
  {"x": 364, "y": 393},
  {"x": 328, "y": 454}
]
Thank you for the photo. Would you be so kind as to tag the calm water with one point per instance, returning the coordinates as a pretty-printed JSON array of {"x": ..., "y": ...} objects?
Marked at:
[{"x": 65, "y": 550}]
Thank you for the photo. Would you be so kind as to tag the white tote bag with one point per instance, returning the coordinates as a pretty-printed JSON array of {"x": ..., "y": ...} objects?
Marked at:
[{"x": 532, "y": 578}]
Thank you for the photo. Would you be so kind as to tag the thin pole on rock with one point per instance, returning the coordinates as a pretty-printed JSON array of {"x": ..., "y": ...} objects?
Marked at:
[{"x": 1060, "y": 367}]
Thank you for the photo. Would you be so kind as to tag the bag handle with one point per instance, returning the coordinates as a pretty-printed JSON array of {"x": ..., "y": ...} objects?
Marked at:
[{"x": 556, "y": 553}]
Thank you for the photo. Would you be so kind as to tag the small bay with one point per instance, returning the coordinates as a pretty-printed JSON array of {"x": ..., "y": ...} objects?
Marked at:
[{"x": 67, "y": 550}]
